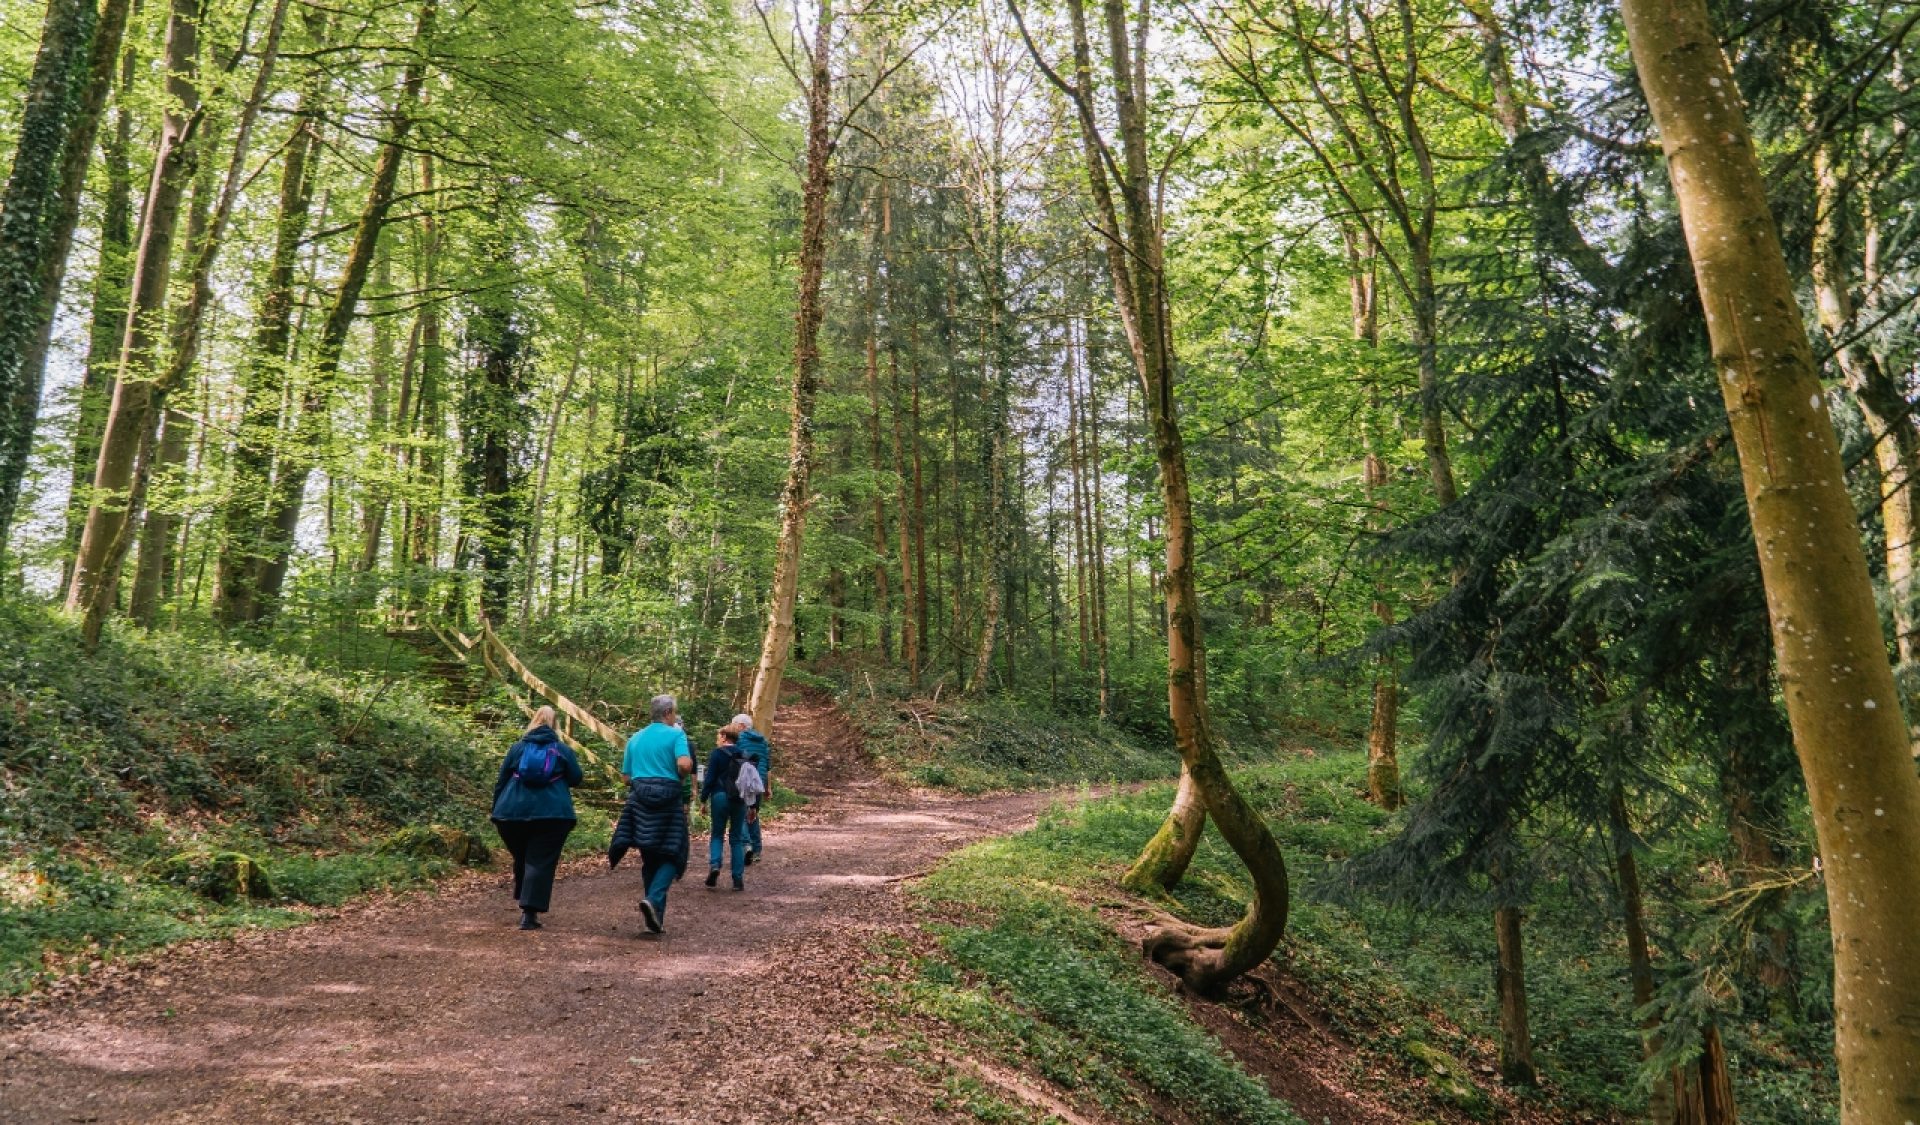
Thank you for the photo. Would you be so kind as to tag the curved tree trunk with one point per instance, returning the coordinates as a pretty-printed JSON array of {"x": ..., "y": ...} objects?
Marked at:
[
  {"x": 1204, "y": 959},
  {"x": 1832, "y": 662}
]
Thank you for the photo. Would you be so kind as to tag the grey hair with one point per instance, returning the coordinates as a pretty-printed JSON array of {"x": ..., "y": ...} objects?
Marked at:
[{"x": 662, "y": 706}]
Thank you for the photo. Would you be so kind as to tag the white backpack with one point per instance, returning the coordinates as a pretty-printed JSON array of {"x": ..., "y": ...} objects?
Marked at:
[{"x": 749, "y": 784}]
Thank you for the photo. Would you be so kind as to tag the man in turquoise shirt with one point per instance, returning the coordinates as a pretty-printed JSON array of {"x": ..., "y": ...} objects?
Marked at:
[
  {"x": 656, "y": 760},
  {"x": 660, "y": 748}
]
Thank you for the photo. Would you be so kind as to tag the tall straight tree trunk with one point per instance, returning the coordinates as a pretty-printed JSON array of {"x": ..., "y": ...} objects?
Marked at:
[
  {"x": 921, "y": 613},
  {"x": 381, "y": 421},
  {"x": 288, "y": 493},
  {"x": 1097, "y": 527},
  {"x": 1076, "y": 463},
  {"x": 243, "y": 540},
  {"x": 153, "y": 566},
  {"x": 206, "y": 230},
  {"x": 1383, "y": 759},
  {"x": 999, "y": 523},
  {"x": 38, "y": 208},
  {"x": 882, "y": 610},
  {"x": 796, "y": 496},
  {"x": 138, "y": 394},
  {"x": 1896, "y": 440},
  {"x": 423, "y": 529},
  {"x": 160, "y": 519},
  {"x": 1510, "y": 991},
  {"x": 1633, "y": 912},
  {"x": 906, "y": 507},
  {"x": 112, "y": 273},
  {"x": 1832, "y": 664}
]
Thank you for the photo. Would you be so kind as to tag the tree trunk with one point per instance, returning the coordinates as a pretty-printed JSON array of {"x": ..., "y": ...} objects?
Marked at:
[
  {"x": 243, "y": 539},
  {"x": 922, "y": 616},
  {"x": 1097, "y": 527},
  {"x": 797, "y": 495},
  {"x": 423, "y": 529},
  {"x": 288, "y": 492},
  {"x": 380, "y": 424},
  {"x": 206, "y": 229},
  {"x": 1832, "y": 663},
  {"x": 1706, "y": 1089},
  {"x": 882, "y": 610},
  {"x": 73, "y": 70},
  {"x": 1510, "y": 989},
  {"x": 153, "y": 566},
  {"x": 1896, "y": 440},
  {"x": 1204, "y": 959},
  {"x": 911, "y": 595},
  {"x": 1383, "y": 726},
  {"x": 112, "y": 274},
  {"x": 138, "y": 395},
  {"x": 1633, "y": 915}
]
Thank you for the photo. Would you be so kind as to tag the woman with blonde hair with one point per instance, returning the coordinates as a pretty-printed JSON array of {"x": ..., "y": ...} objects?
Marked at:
[{"x": 533, "y": 811}]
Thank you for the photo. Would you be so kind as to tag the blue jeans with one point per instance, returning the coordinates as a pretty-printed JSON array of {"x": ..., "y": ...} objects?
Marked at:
[
  {"x": 659, "y": 872},
  {"x": 729, "y": 823}
]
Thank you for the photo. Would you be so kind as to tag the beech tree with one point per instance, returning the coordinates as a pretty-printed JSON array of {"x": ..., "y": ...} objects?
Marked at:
[{"x": 1832, "y": 665}]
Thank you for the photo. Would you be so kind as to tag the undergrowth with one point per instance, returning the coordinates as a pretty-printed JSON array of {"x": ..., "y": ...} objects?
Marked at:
[
  {"x": 994, "y": 745},
  {"x": 1035, "y": 976},
  {"x": 161, "y": 754}
]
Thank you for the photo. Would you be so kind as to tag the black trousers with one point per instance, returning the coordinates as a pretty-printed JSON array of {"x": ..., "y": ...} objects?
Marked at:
[{"x": 535, "y": 845}]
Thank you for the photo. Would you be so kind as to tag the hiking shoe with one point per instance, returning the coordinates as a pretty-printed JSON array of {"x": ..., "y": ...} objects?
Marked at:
[
  {"x": 529, "y": 920},
  {"x": 713, "y": 876},
  {"x": 739, "y": 884},
  {"x": 651, "y": 915},
  {"x": 753, "y": 857}
]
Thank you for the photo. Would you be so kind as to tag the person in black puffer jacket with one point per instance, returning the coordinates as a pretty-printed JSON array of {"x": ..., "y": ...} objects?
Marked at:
[{"x": 533, "y": 811}]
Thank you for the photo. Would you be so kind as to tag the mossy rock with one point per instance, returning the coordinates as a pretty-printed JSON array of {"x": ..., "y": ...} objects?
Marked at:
[
  {"x": 1448, "y": 1077},
  {"x": 437, "y": 841},
  {"x": 220, "y": 876}
]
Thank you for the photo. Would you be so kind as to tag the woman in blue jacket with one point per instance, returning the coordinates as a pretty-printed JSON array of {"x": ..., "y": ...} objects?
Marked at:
[
  {"x": 533, "y": 810},
  {"x": 728, "y": 811}
]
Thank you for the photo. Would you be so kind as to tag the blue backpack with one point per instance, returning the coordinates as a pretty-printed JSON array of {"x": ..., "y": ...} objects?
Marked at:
[{"x": 540, "y": 765}]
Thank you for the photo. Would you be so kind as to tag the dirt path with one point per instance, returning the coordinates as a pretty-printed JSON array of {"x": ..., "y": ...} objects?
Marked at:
[{"x": 434, "y": 1008}]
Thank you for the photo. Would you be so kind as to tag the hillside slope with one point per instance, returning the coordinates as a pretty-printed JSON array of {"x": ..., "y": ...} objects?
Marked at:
[{"x": 171, "y": 787}]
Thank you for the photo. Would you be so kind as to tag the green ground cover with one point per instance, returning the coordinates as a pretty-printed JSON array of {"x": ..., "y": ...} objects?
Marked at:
[
  {"x": 175, "y": 787},
  {"x": 1035, "y": 976}
]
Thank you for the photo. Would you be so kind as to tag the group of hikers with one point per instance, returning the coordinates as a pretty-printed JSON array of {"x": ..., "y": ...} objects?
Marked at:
[{"x": 533, "y": 806}]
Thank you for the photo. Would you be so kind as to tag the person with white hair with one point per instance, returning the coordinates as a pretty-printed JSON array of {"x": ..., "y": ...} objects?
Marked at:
[{"x": 754, "y": 745}]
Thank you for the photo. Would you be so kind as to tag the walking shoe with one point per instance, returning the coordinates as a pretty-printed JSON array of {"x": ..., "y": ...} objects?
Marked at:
[
  {"x": 713, "y": 876},
  {"x": 739, "y": 884},
  {"x": 652, "y": 916},
  {"x": 753, "y": 857},
  {"x": 529, "y": 920}
]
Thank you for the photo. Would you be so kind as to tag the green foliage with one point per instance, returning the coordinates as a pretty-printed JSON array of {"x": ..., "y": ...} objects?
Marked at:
[
  {"x": 1414, "y": 991},
  {"x": 1041, "y": 981},
  {"x": 980, "y": 747},
  {"x": 173, "y": 788}
]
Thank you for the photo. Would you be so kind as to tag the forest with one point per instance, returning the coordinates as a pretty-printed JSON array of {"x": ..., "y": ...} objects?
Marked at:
[{"x": 1428, "y": 489}]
